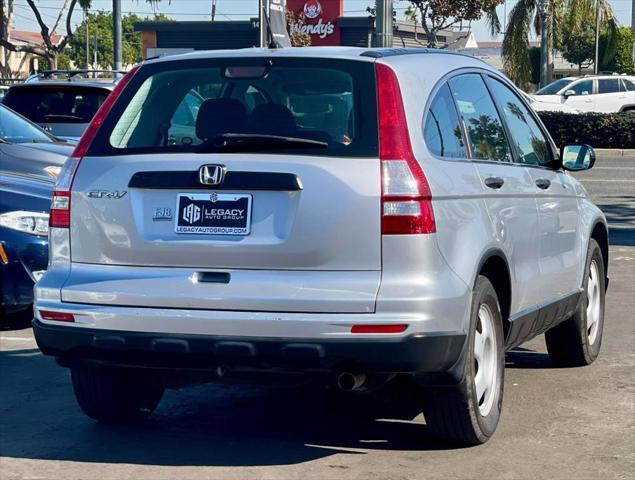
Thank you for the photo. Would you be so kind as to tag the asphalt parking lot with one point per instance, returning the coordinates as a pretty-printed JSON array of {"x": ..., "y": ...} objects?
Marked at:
[{"x": 557, "y": 423}]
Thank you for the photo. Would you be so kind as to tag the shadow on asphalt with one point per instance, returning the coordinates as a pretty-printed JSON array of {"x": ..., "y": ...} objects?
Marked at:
[
  {"x": 621, "y": 218},
  {"x": 212, "y": 424}
]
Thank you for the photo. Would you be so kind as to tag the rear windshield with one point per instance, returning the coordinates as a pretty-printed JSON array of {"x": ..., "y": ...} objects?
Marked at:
[
  {"x": 184, "y": 106},
  {"x": 56, "y": 103}
]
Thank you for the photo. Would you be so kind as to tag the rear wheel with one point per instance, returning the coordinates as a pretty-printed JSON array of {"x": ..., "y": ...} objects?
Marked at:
[
  {"x": 468, "y": 413},
  {"x": 576, "y": 342},
  {"x": 115, "y": 395}
]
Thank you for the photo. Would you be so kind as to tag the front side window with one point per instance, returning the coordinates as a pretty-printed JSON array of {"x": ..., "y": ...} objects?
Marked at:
[
  {"x": 555, "y": 87},
  {"x": 318, "y": 107},
  {"x": 525, "y": 134},
  {"x": 441, "y": 131},
  {"x": 584, "y": 87},
  {"x": 609, "y": 85},
  {"x": 484, "y": 128},
  {"x": 630, "y": 86}
]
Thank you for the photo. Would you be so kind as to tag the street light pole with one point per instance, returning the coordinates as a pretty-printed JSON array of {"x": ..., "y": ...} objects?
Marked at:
[
  {"x": 544, "y": 43},
  {"x": 116, "y": 35},
  {"x": 262, "y": 22}
]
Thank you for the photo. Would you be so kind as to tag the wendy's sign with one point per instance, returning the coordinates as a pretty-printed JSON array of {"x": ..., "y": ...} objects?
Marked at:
[{"x": 320, "y": 19}]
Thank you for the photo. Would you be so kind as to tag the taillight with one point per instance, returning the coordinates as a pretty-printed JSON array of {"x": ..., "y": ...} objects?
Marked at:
[
  {"x": 61, "y": 204},
  {"x": 406, "y": 199}
]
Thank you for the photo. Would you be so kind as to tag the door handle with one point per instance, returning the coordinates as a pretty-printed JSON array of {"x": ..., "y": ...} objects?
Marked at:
[
  {"x": 494, "y": 182},
  {"x": 543, "y": 183}
]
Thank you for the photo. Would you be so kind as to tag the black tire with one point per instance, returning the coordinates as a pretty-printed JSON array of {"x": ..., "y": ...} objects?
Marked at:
[
  {"x": 568, "y": 343},
  {"x": 115, "y": 395},
  {"x": 454, "y": 413}
]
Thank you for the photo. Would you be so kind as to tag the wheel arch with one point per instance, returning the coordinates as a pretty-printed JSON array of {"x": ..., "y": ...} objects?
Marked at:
[
  {"x": 495, "y": 267},
  {"x": 600, "y": 234}
]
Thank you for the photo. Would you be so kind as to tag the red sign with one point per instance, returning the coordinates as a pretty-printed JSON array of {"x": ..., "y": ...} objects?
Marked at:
[{"x": 320, "y": 19}]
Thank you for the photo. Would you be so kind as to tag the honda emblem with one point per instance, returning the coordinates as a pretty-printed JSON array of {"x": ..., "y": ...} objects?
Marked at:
[{"x": 211, "y": 174}]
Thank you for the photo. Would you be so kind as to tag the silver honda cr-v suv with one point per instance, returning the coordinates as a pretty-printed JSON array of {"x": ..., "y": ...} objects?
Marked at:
[{"x": 345, "y": 213}]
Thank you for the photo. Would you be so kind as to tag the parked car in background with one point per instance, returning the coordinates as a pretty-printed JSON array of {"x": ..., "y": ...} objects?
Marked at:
[
  {"x": 540, "y": 106},
  {"x": 62, "y": 102},
  {"x": 596, "y": 93},
  {"x": 30, "y": 160},
  {"x": 353, "y": 214},
  {"x": 3, "y": 91}
]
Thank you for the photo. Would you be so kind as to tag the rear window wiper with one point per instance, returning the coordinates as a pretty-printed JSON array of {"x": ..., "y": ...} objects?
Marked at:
[{"x": 251, "y": 142}]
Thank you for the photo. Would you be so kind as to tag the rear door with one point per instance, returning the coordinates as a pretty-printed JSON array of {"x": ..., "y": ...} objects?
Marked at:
[
  {"x": 507, "y": 188},
  {"x": 272, "y": 205},
  {"x": 559, "y": 245},
  {"x": 611, "y": 95}
]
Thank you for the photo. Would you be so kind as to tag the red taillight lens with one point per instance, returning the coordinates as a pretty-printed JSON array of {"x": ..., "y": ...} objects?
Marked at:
[
  {"x": 60, "y": 214},
  {"x": 378, "y": 328},
  {"x": 57, "y": 316},
  {"x": 406, "y": 199}
]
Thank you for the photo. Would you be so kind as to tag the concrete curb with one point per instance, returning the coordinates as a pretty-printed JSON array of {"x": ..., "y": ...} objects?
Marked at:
[{"x": 616, "y": 152}]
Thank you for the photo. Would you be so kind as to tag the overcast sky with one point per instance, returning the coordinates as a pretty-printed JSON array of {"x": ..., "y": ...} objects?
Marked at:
[{"x": 239, "y": 10}]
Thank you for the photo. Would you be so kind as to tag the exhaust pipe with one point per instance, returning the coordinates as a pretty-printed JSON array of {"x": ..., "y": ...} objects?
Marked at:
[{"x": 349, "y": 382}]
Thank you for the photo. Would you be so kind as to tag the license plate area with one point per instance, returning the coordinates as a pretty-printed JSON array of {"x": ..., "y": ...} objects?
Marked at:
[{"x": 213, "y": 213}]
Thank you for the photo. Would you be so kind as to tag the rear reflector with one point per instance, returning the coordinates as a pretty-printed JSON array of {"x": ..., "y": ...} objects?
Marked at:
[
  {"x": 406, "y": 197},
  {"x": 57, "y": 316},
  {"x": 378, "y": 328}
]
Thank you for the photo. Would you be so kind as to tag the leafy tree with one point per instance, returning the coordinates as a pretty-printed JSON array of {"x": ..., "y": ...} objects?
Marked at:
[
  {"x": 437, "y": 15},
  {"x": 100, "y": 40},
  {"x": 576, "y": 38},
  {"x": 534, "y": 58},
  {"x": 49, "y": 50},
  {"x": 525, "y": 17},
  {"x": 296, "y": 35},
  {"x": 622, "y": 60}
]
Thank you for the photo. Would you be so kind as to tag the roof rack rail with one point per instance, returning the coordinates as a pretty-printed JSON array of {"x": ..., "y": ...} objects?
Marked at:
[{"x": 70, "y": 74}]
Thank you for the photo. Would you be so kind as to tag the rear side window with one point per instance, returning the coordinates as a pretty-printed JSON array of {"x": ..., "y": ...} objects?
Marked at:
[
  {"x": 183, "y": 106},
  {"x": 484, "y": 128},
  {"x": 584, "y": 87},
  {"x": 56, "y": 103},
  {"x": 442, "y": 132},
  {"x": 630, "y": 86},
  {"x": 609, "y": 85}
]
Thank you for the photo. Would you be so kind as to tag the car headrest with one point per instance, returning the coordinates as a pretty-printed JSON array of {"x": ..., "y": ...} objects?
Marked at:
[
  {"x": 217, "y": 116},
  {"x": 272, "y": 119}
]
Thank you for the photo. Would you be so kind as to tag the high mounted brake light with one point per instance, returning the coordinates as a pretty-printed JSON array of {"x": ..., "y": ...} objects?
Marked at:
[
  {"x": 406, "y": 198},
  {"x": 60, "y": 213}
]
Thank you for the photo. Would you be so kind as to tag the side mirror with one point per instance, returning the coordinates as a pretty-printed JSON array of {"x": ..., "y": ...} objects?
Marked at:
[
  {"x": 569, "y": 93},
  {"x": 577, "y": 157}
]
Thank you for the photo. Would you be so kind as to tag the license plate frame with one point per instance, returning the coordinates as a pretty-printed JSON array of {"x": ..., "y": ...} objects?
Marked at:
[{"x": 213, "y": 213}]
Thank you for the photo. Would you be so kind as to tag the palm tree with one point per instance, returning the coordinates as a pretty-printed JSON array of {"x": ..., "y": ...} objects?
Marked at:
[{"x": 526, "y": 15}]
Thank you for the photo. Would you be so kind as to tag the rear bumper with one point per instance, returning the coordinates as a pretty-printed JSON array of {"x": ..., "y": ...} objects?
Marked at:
[{"x": 415, "y": 353}]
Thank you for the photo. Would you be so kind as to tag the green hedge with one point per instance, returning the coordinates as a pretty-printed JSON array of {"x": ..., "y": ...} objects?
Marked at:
[{"x": 600, "y": 130}]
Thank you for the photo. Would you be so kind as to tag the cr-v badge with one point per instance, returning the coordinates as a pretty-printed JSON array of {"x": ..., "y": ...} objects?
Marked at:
[{"x": 106, "y": 194}]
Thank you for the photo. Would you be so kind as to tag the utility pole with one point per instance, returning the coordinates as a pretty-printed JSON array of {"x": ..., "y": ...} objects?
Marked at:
[
  {"x": 383, "y": 23},
  {"x": 263, "y": 24},
  {"x": 117, "y": 62},
  {"x": 598, "y": 15},
  {"x": 213, "y": 9},
  {"x": 87, "y": 45},
  {"x": 544, "y": 43}
]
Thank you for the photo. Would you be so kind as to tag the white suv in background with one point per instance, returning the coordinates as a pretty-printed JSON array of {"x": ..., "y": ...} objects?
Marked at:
[
  {"x": 345, "y": 213},
  {"x": 598, "y": 93}
]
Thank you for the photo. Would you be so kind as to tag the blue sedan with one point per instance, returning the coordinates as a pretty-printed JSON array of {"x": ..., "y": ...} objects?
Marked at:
[{"x": 30, "y": 160}]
